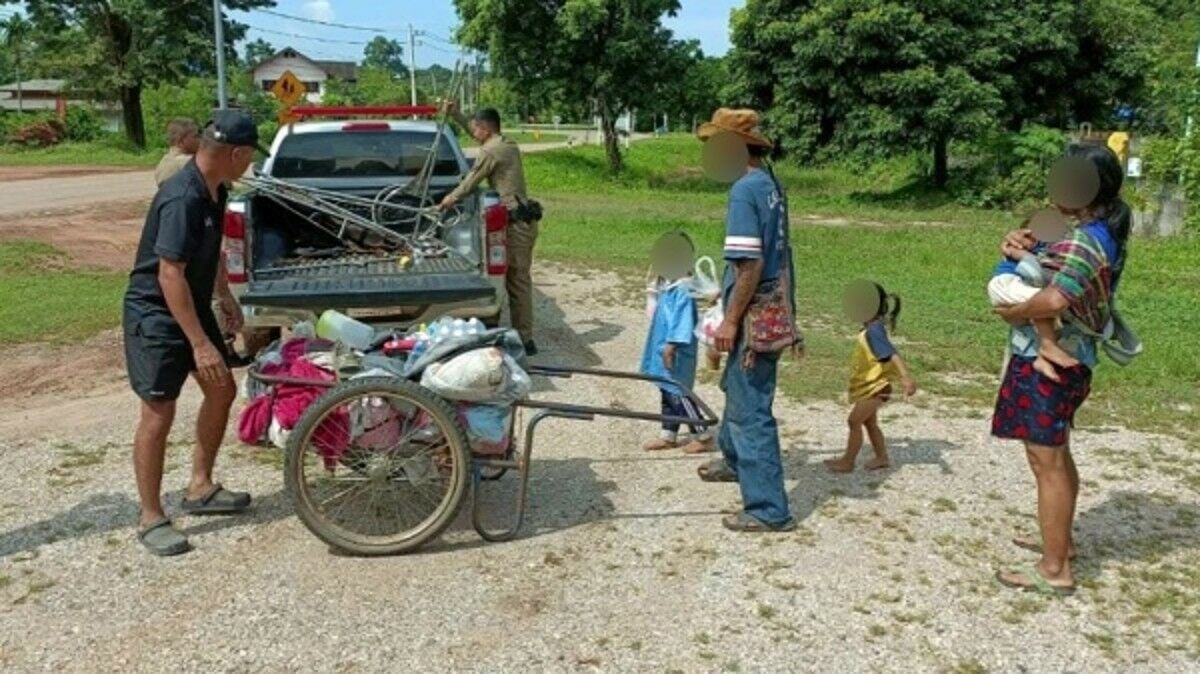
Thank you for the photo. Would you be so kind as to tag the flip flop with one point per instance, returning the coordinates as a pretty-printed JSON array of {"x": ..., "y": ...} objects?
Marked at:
[
  {"x": 161, "y": 538},
  {"x": 716, "y": 471},
  {"x": 1040, "y": 585},
  {"x": 743, "y": 523},
  {"x": 1027, "y": 544},
  {"x": 218, "y": 501}
]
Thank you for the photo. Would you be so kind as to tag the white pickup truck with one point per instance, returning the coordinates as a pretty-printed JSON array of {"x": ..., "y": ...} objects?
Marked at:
[{"x": 362, "y": 158}]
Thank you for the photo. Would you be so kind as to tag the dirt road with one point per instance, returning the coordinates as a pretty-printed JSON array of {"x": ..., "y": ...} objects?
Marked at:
[
  {"x": 34, "y": 190},
  {"x": 623, "y": 564}
]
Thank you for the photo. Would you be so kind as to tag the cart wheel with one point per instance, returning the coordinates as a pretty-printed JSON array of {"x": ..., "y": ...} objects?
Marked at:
[{"x": 377, "y": 466}]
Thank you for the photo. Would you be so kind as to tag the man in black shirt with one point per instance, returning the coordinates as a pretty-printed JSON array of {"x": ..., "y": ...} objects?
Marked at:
[{"x": 171, "y": 331}]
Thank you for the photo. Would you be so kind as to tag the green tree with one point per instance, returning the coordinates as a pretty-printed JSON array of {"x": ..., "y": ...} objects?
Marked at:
[
  {"x": 382, "y": 53},
  {"x": 610, "y": 54},
  {"x": 886, "y": 75},
  {"x": 16, "y": 44},
  {"x": 694, "y": 96},
  {"x": 258, "y": 51},
  {"x": 117, "y": 49}
]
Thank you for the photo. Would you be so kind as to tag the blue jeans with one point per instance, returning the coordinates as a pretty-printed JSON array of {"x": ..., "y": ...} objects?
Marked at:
[{"x": 749, "y": 437}]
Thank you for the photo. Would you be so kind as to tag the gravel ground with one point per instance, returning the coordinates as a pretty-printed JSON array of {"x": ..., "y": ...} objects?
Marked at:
[{"x": 622, "y": 565}]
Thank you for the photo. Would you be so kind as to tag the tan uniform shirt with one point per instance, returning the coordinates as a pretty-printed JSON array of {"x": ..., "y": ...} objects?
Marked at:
[
  {"x": 499, "y": 162},
  {"x": 170, "y": 164}
]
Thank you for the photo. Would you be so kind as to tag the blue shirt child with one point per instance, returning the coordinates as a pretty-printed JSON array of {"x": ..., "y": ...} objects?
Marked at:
[{"x": 674, "y": 322}]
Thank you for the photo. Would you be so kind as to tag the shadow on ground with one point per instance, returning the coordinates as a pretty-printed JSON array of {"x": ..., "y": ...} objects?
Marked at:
[
  {"x": 1134, "y": 527},
  {"x": 109, "y": 512},
  {"x": 816, "y": 485}
]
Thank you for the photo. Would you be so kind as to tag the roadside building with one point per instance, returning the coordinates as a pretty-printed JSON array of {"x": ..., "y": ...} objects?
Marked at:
[
  {"x": 41, "y": 96},
  {"x": 313, "y": 73}
]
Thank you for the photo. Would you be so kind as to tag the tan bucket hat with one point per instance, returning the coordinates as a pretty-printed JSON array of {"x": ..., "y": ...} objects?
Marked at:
[{"x": 743, "y": 123}]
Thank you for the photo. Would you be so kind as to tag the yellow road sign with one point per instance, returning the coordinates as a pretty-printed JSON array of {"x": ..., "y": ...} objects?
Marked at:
[
  {"x": 286, "y": 116},
  {"x": 288, "y": 89}
]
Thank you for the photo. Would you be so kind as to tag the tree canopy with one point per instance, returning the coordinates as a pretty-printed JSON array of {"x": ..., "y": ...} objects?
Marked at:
[
  {"x": 892, "y": 75},
  {"x": 258, "y": 51},
  {"x": 382, "y": 53},
  {"x": 117, "y": 49},
  {"x": 612, "y": 55}
]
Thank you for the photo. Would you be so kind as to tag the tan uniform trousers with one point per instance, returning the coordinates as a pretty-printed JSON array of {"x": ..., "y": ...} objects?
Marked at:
[{"x": 521, "y": 238}]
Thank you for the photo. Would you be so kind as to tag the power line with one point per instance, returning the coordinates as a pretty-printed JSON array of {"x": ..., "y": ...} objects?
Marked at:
[
  {"x": 349, "y": 26},
  {"x": 303, "y": 37},
  {"x": 437, "y": 48}
]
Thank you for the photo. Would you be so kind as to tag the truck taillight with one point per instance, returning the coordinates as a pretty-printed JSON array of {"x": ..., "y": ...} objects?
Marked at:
[
  {"x": 234, "y": 246},
  {"x": 495, "y": 219}
]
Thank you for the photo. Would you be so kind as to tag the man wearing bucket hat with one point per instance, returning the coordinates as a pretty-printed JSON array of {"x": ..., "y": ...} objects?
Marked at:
[
  {"x": 171, "y": 331},
  {"x": 757, "y": 251}
]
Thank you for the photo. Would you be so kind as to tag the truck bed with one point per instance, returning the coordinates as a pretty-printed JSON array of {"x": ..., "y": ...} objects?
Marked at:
[{"x": 355, "y": 282}]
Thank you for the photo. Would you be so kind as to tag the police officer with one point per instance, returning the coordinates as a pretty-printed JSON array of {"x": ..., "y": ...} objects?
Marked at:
[
  {"x": 499, "y": 162},
  {"x": 171, "y": 330}
]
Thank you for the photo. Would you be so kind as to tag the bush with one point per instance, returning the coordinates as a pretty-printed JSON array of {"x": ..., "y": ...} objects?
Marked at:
[
  {"x": 12, "y": 121},
  {"x": 83, "y": 123},
  {"x": 39, "y": 134},
  {"x": 1007, "y": 170}
]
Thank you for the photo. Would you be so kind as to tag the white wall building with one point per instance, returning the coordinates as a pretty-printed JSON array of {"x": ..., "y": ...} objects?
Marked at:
[{"x": 313, "y": 73}]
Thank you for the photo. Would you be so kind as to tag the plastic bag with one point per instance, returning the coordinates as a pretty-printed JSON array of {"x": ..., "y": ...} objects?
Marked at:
[
  {"x": 487, "y": 428},
  {"x": 482, "y": 375},
  {"x": 704, "y": 284},
  {"x": 651, "y": 293},
  {"x": 710, "y": 320}
]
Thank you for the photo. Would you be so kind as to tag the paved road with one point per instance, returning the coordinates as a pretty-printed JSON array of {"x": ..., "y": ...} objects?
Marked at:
[{"x": 78, "y": 191}]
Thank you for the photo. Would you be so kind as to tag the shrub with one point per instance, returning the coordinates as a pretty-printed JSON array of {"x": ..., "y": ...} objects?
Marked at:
[
  {"x": 83, "y": 123},
  {"x": 39, "y": 134},
  {"x": 1007, "y": 170}
]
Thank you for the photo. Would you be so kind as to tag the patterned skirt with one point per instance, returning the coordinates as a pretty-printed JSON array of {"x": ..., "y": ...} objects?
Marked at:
[{"x": 1035, "y": 409}]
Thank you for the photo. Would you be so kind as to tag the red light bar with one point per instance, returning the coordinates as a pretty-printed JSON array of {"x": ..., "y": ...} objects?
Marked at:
[{"x": 363, "y": 111}]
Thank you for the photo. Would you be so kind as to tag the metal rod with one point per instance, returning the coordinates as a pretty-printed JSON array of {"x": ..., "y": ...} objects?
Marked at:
[
  {"x": 219, "y": 34},
  {"x": 522, "y": 490}
]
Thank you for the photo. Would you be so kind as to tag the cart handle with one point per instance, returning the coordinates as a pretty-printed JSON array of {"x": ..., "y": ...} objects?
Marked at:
[{"x": 708, "y": 417}]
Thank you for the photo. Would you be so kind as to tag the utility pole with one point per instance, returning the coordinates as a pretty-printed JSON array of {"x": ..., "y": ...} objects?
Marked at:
[
  {"x": 1188, "y": 129},
  {"x": 412, "y": 62},
  {"x": 219, "y": 30},
  {"x": 469, "y": 93}
]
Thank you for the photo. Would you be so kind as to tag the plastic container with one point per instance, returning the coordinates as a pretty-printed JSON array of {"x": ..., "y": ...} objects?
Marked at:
[{"x": 339, "y": 327}]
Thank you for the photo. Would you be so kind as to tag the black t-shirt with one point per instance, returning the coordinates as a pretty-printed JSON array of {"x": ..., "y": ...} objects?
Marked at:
[{"x": 184, "y": 224}]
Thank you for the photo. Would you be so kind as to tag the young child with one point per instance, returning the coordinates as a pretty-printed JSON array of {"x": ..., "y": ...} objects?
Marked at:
[
  {"x": 671, "y": 344},
  {"x": 874, "y": 365},
  {"x": 1020, "y": 275}
]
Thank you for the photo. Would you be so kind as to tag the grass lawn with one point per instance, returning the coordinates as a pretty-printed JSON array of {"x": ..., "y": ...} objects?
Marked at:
[
  {"x": 43, "y": 298},
  {"x": 936, "y": 255},
  {"x": 100, "y": 153}
]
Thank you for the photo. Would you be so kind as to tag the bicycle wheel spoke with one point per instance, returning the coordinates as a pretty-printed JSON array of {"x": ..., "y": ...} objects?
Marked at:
[{"x": 380, "y": 466}]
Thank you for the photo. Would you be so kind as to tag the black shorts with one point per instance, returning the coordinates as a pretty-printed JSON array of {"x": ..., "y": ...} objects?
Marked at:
[{"x": 158, "y": 356}]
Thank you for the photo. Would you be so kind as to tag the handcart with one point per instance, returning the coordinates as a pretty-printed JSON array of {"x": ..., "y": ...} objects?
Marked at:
[{"x": 382, "y": 465}]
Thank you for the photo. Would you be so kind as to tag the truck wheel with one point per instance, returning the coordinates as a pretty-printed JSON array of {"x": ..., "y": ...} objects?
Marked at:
[{"x": 377, "y": 466}]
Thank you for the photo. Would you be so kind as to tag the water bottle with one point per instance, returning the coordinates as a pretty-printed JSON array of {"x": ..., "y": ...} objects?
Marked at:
[{"x": 339, "y": 327}]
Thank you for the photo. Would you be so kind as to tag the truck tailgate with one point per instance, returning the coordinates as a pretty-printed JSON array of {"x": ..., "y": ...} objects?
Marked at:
[{"x": 365, "y": 282}]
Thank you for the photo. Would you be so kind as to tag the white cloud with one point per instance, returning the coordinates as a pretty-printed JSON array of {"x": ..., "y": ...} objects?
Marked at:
[{"x": 321, "y": 10}]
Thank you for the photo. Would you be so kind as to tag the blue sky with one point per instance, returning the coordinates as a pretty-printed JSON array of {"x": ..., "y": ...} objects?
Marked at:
[{"x": 704, "y": 20}]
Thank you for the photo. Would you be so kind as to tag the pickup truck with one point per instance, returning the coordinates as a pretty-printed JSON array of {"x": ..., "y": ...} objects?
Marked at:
[{"x": 362, "y": 158}]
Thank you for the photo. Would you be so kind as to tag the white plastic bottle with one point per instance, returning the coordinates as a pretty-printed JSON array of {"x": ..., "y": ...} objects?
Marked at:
[{"x": 339, "y": 327}]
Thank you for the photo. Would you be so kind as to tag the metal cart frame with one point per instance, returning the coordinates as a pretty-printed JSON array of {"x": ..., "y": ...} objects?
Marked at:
[{"x": 522, "y": 461}]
